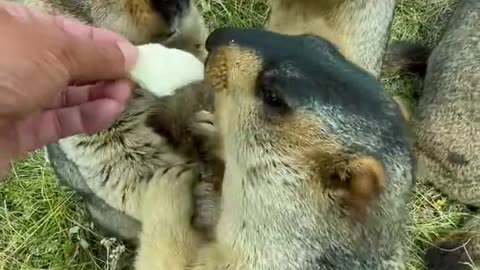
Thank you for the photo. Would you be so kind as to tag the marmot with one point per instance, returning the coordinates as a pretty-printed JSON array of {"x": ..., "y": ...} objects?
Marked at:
[
  {"x": 318, "y": 170},
  {"x": 446, "y": 125}
]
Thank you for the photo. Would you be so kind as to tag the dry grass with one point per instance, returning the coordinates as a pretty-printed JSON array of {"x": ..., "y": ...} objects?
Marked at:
[{"x": 42, "y": 227}]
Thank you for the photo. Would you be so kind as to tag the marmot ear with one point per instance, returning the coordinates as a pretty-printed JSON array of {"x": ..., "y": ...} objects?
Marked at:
[{"x": 360, "y": 181}]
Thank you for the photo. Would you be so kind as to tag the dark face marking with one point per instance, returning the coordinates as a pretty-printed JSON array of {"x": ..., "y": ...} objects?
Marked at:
[{"x": 171, "y": 9}]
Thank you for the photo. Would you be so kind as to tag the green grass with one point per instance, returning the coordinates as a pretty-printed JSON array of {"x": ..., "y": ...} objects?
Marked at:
[{"x": 43, "y": 227}]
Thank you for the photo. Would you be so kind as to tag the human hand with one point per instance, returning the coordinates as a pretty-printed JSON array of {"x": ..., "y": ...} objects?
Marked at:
[{"x": 47, "y": 67}]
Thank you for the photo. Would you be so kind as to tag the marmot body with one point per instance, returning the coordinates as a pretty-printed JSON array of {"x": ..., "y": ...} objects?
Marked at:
[{"x": 446, "y": 124}]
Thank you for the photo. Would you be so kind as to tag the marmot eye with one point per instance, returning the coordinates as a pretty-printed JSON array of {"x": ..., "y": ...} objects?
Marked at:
[
  {"x": 268, "y": 93},
  {"x": 271, "y": 98}
]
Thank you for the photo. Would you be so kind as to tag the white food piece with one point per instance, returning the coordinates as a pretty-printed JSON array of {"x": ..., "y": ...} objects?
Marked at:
[{"x": 163, "y": 70}]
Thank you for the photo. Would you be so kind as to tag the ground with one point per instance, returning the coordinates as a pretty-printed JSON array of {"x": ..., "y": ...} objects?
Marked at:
[{"x": 42, "y": 226}]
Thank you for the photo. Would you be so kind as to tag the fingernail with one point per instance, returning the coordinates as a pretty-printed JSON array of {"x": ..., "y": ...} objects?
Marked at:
[{"x": 130, "y": 53}]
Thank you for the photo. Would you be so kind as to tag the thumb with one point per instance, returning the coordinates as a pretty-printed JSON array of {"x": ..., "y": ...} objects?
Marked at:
[{"x": 94, "y": 54}]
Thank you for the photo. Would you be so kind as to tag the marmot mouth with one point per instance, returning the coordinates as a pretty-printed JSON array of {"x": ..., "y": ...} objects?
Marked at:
[{"x": 216, "y": 71}]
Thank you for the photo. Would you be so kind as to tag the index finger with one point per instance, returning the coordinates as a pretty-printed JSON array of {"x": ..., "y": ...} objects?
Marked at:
[
  {"x": 88, "y": 53},
  {"x": 69, "y": 25},
  {"x": 84, "y": 31}
]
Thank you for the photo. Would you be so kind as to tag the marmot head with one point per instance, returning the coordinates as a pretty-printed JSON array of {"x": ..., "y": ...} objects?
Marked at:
[
  {"x": 175, "y": 23},
  {"x": 308, "y": 128}
]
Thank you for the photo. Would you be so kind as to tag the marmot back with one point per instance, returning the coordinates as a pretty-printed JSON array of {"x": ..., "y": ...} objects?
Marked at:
[{"x": 360, "y": 29}]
